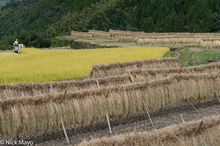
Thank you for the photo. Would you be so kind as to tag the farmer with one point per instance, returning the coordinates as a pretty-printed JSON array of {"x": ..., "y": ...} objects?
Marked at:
[{"x": 16, "y": 47}]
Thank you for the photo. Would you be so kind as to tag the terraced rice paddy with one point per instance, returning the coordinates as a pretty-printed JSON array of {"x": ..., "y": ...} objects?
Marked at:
[
  {"x": 129, "y": 76},
  {"x": 35, "y": 65},
  {"x": 121, "y": 85}
]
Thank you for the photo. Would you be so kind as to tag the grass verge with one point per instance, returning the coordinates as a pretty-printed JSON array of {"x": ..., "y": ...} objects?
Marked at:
[{"x": 193, "y": 58}]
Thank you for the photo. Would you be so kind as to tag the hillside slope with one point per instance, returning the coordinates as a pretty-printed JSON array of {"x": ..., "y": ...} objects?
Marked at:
[{"x": 37, "y": 22}]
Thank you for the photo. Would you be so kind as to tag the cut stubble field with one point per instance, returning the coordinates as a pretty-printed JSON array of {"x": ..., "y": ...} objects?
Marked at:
[{"x": 36, "y": 65}]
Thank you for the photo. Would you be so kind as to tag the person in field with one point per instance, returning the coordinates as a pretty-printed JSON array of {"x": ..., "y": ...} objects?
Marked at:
[{"x": 16, "y": 47}]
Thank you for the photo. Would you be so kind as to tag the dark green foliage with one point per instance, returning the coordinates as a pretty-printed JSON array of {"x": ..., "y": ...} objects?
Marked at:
[
  {"x": 37, "y": 22},
  {"x": 3, "y": 3},
  {"x": 59, "y": 42}
]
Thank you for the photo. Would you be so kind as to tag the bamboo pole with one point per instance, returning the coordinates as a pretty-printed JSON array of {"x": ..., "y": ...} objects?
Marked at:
[
  {"x": 109, "y": 125},
  {"x": 148, "y": 114},
  {"x": 64, "y": 130},
  {"x": 182, "y": 118}
]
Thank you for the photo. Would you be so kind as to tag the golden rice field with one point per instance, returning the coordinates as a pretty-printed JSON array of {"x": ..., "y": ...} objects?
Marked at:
[{"x": 36, "y": 65}]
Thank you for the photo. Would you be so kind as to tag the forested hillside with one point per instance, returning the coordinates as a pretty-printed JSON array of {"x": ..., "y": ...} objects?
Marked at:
[{"x": 37, "y": 22}]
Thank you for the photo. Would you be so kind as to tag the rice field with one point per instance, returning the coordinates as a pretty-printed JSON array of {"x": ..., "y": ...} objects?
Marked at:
[
  {"x": 130, "y": 76},
  {"x": 30, "y": 114},
  {"x": 125, "y": 80},
  {"x": 36, "y": 65}
]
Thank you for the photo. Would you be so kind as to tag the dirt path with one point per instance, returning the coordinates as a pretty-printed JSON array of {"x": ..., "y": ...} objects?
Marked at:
[{"x": 136, "y": 123}]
